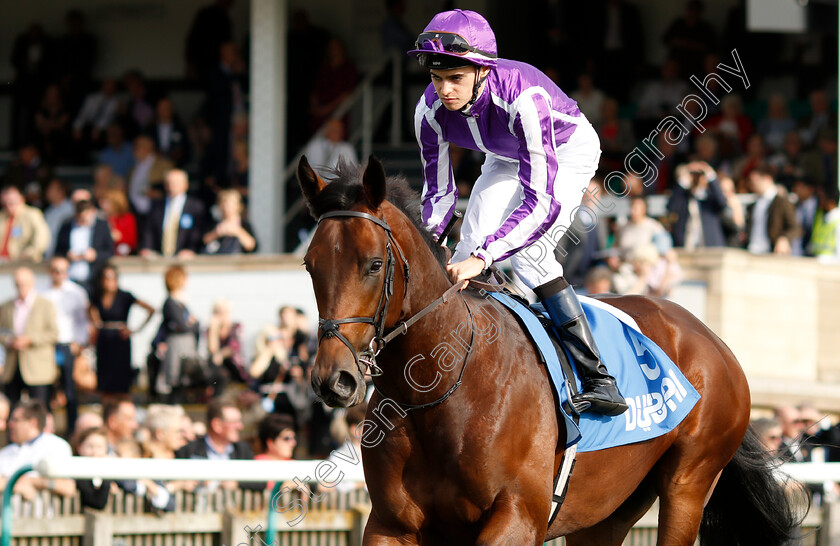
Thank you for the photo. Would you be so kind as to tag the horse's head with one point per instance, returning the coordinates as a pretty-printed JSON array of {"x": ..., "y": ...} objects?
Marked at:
[{"x": 358, "y": 273}]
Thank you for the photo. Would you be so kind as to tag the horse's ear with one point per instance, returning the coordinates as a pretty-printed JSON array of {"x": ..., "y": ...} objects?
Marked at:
[
  {"x": 374, "y": 183},
  {"x": 310, "y": 183}
]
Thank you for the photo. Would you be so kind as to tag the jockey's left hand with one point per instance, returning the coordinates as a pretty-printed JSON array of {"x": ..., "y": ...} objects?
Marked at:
[{"x": 467, "y": 269}]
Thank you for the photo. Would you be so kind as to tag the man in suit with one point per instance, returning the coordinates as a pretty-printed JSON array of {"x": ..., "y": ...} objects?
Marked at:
[
  {"x": 29, "y": 333},
  {"x": 145, "y": 180},
  {"x": 24, "y": 234},
  {"x": 86, "y": 242},
  {"x": 221, "y": 443},
  {"x": 175, "y": 225},
  {"x": 771, "y": 220}
]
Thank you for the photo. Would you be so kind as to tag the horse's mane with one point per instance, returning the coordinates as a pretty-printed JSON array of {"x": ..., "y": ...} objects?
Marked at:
[{"x": 344, "y": 190}]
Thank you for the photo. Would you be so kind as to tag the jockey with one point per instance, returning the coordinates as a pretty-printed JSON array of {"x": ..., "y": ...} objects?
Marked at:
[{"x": 541, "y": 152}]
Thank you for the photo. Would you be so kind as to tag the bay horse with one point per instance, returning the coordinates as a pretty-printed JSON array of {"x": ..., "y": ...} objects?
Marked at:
[{"x": 471, "y": 441}]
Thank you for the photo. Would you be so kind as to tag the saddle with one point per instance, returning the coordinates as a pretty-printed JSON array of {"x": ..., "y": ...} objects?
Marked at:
[{"x": 492, "y": 280}]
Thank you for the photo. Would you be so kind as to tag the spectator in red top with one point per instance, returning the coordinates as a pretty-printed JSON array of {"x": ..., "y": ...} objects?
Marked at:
[
  {"x": 114, "y": 203},
  {"x": 336, "y": 80}
]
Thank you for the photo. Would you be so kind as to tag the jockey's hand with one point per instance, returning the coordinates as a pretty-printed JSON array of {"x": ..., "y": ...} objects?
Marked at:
[{"x": 465, "y": 270}]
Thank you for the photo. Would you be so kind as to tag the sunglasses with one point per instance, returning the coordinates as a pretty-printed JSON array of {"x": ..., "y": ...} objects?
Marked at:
[
  {"x": 288, "y": 438},
  {"x": 447, "y": 42}
]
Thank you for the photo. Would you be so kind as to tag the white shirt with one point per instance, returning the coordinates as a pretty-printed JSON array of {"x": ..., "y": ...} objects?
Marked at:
[
  {"x": 759, "y": 241},
  {"x": 80, "y": 238},
  {"x": 71, "y": 304},
  {"x": 14, "y": 456},
  {"x": 323, "y": 155},
  {"x": 21, "y": 313},
  {"x": 138, "y": 186},
  {"x": 56, "y": 215}
]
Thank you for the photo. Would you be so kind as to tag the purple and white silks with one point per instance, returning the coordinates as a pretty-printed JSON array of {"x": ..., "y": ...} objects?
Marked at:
[{"x": 521, "y": 116}]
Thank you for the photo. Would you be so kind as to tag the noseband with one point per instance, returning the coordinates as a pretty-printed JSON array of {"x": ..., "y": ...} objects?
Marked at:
[{"x": 329, "y": 327}]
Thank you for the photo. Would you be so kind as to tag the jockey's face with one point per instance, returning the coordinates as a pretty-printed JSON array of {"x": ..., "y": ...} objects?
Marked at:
[{"x": 455, "y": 86}]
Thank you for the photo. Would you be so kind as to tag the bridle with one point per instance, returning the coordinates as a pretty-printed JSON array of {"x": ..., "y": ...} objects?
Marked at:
[{"x": 329, "y": 328}]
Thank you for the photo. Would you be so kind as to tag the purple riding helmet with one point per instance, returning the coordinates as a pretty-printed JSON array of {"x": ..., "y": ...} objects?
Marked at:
[{"x": 455, "y": 39}]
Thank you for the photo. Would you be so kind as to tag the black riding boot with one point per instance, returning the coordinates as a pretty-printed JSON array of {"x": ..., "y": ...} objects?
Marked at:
[{"x": 600, "y": 393}]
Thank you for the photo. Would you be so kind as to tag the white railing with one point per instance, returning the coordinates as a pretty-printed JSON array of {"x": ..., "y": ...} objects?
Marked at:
[
  {"x": 197, "y": 469},
  {"x": 284, "y": 471}
]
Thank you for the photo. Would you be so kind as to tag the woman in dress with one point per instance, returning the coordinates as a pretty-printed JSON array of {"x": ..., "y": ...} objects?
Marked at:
[
  {"x": 109, "y": 308},
  {"x": 181, "y": 366}
]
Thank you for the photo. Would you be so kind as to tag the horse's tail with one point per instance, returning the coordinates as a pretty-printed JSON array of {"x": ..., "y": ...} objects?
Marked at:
[{"x": 753, "y": 502}]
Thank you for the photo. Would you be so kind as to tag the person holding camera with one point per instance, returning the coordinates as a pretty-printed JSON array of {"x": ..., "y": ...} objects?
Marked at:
[
  {"x": 696, "y": 205},
  {"x": 279, "y": 372}
]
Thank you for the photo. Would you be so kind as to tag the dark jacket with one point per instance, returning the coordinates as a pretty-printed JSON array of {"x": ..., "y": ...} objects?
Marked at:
[
  {"x": 93, "y": 496},
  {"x": 781, "y": 219},
  {"x": 710, "y": 210},
  {"x": 191, "y": 226},
  {"x": 179, "y": 144},
  {"x": 197, "y": 449},
  {"x": 101, "y": 242}
]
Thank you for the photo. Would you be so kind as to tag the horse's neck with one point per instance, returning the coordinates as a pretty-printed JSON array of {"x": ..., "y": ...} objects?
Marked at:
[
  {"x": 427, "y": 280},
  {"x": 414, "y": 363}
]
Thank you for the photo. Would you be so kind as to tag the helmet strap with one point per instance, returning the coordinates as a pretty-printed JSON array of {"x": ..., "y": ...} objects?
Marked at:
[{"x": 465, "y": 109}]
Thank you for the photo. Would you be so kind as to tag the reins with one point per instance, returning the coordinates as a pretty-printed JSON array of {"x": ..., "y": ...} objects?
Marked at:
[{"x": 330, "y": 327}]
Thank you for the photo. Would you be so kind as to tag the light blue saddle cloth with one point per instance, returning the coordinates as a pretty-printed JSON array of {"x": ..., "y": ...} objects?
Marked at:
[{"x": 658, "y": 395}]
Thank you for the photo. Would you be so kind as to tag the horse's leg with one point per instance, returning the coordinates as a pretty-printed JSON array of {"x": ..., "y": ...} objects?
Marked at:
[
  {"x": 508, "y": 525},
  {"x": 613, "y": 530},
  {"x": 377, "y": 534},
  {"x": 680, "y": 512},
  {"x": 683, "y": 484}
]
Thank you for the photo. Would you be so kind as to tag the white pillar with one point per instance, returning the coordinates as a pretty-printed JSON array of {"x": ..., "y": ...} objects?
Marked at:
[{"x": 267, "y": 136}]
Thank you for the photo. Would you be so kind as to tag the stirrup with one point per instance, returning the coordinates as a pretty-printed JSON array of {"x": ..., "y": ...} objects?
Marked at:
[
  {"x": 580, "y": 406},
  {"x": 604, "y": 406}
]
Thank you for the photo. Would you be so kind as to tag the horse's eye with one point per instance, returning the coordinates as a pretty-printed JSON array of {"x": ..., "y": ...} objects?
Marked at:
[{"x": 376, "y": 266}]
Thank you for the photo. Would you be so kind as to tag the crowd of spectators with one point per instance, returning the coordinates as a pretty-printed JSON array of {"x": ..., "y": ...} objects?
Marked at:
[
  {"x": 263, "y": 406},
  {"x": 64, "y": 344},
  {"x": 758, "y": 171},
  {"x": 761, "y": 176},
  {"x": 801, "y": 434},
  {"x": 129, "y": 130}
]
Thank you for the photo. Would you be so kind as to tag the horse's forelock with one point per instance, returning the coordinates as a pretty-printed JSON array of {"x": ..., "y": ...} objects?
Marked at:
[{"x": 344, "y": 191}]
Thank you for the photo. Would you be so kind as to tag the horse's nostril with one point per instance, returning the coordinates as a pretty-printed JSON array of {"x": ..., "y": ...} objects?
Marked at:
[{"x": 343, "y": 384}]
